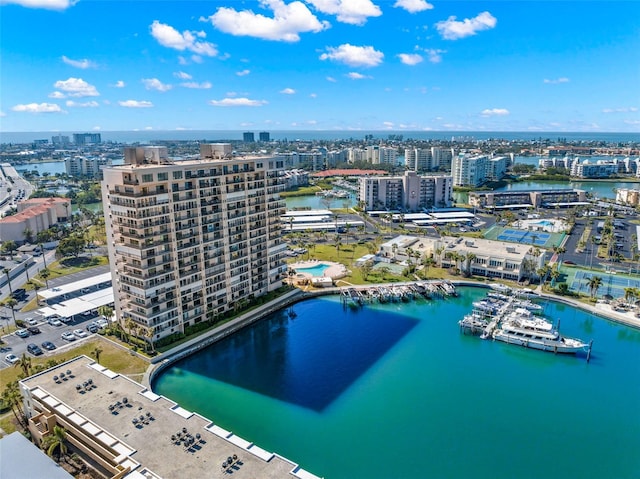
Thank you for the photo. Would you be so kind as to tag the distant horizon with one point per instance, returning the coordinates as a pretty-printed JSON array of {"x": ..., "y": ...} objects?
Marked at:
[{"x": 145, "y": 136}]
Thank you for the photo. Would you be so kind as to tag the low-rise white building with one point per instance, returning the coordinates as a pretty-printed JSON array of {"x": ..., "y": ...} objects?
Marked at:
[{"x": 477, "y": 256}]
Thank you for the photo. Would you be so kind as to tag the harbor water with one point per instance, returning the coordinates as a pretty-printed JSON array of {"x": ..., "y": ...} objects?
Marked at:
[{"x": 398, "y": 391}]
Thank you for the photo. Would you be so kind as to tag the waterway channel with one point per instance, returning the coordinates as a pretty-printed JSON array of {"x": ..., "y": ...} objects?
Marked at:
[{"x": 398, "y": 391}]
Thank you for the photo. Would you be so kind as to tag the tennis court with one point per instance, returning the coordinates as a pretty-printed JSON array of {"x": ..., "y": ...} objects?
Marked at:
[
  {"x": 538, "y": 238},
  {"x": 612, "y": 284},
  {"x": 513, "y": 235}
]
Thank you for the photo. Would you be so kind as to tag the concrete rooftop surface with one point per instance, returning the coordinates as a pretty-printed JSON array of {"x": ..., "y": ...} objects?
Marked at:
[{"x": 95, "y": 409}]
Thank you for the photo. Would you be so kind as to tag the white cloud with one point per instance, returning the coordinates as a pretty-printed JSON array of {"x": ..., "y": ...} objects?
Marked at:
[
  {"x": 288, "y": 91},
  {"x": 357, "y": 76},
  {"x": 556, "y": 80},
  {"x": 2, "y": 114},
  {"x": 313, "y": 95},
  {"x": 88, "y": 104},
  {"x": 288, "y": 21},
  {"x": 182, "y": 75},
  {"x": 354, "y": 56},
  {"x": 169, "y": 37},
  {"x": 632, "y": 122},
  {"x": 46, "y": 4},
  {"x": 57, "y": 94},
  {"x": 198, "y": 86},
  {"x": 354, "y": 12},
  {"x": 237, "y": 102},
  {"x": 435, "y": 55},
  {"x": 155, "y": 84},
  {"x": 413, "y": 6},
  {"x": 76, "y": 87},
  {"x": 38, "y": 108},
  {"x": 631, "y": 109},
  {"x": 410, "y": 58},
  {"x": 332, "y": 80},
  {"x": 135, "y": 104},
  {"x": 242, "y": 73},
  {"x": 118, "y": 84},
  {"x": 451, "y": 29},
  {"x": 495, "y": 112},
  {"x": 82, "y": 64}
]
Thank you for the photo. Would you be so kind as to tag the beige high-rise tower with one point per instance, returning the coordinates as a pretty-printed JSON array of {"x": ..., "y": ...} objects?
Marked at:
[{"x": 190, "y": 240}]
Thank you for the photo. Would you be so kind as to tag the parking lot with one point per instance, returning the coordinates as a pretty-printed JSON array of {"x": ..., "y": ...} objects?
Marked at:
[{"x": 58, "y": 333}]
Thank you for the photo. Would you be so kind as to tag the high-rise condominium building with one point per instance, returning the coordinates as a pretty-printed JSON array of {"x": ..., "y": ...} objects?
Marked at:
[
  {"x": 264, "y": 136},
  {"x": 87, "y": 138},
  {"x": 189, "y": 240},
  {"x": 409, "y": 192},
  {"x": 248, "y": 137}
]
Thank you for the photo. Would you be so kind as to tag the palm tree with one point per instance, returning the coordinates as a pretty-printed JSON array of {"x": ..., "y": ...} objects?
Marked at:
[
  {"x": 96, "y": 353},
  {"x": 7, "y": 271},
  {"x": 470, "y": 257},
  {"x": 11, "y": 303},
  {"x": 12, "y": 398},
  {"x": 24, "y": 363},
  {"x": 630, "y": 294},
  {"x": 594, "y": 284},
  {"x": 57, "y": 439},
  {"x": 44, "y": 274}
]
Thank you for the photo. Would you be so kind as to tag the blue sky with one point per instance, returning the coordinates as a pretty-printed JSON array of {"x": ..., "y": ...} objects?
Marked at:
[{"x": 319, "y": 65}]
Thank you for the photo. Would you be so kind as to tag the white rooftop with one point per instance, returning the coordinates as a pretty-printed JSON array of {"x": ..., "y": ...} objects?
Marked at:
[
  {"x": 75, "y": 286},
  {"x": 79, "y": 305},
  {"x": 307, "y": 213},
  {"x": 453, "y": 214}
]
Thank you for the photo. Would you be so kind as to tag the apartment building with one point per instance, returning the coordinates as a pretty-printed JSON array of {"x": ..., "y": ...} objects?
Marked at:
[
  {"x": 527, "y": 198},
  {"x": 628, "y": 197},
  {"x": 81, "y": 166},
  {"x": 469, "y": 170},
  {"x": 410, "y": 192},
  {"x": 189, "y": 240}
]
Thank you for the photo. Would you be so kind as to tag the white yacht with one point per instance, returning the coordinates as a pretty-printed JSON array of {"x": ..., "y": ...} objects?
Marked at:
[{"x": 537, "y": 334}]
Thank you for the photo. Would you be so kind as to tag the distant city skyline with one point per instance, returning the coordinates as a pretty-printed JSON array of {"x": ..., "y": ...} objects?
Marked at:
[{"x": 395, "y": 65}]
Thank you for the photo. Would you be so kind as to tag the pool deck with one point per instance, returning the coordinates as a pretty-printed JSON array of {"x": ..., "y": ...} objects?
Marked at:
[{"x": 334, "y": 270}]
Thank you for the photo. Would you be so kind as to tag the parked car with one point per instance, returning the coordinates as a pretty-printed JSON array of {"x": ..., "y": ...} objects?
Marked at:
[
  {"x": 22, "y": 333},
  {"x": 80, "y": 333},
  {"x": 33, "y": 329},
  {"x": 19, "y": 294},
  {"x": 34, "y": 349},
  {"x": 54, "y": 322},
  {"x": 31, "y": 321},
  {"x": 11, "y": 358},
  {"x": 48, "y": 345},
  {"x": 102, "y": 323},
  {"x": 68, "y": 336},
  {"x": 93, "y": 327}
]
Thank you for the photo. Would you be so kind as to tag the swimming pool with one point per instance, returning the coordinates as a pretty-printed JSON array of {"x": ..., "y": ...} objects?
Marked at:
[
  {"x": 545, "y": 223},
  {"x": 316, "y": 271}
]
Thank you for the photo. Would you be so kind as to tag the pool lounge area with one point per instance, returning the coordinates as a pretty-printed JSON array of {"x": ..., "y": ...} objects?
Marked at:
[{"x": 317, "y": 273}]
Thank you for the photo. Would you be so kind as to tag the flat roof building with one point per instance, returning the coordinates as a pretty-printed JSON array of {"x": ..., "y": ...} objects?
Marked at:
[
  {"x": 409, "y": 192},
  {"x": 131, "y": 432},
  {"x": 189, "y": 240}
]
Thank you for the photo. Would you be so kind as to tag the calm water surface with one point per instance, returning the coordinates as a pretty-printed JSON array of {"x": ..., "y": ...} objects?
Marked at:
[{"x": 396, "y": 391}]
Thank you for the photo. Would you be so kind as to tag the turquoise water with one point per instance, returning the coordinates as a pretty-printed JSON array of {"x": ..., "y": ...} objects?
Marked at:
[
  {"x": 396, "y": 391},
  {"x": 316, "y": 271}
]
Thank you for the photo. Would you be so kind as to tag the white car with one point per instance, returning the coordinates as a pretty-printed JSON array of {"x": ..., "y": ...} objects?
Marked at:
[
  {"x": 31, "y": 321},
  {"x": 67, "y": 336},
  {"x": 102, "y": 323},
  {"x": 80, "y": 333},
  {"x": 11, "y": 358},
  {"x": 54, "y": 322}
]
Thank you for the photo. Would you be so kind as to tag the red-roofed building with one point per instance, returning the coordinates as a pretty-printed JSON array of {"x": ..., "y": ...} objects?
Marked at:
[{"x": 35, "y": 215}]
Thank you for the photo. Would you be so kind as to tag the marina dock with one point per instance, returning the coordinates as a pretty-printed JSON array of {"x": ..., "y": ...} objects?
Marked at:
[{"x": 357, "y": 296}]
